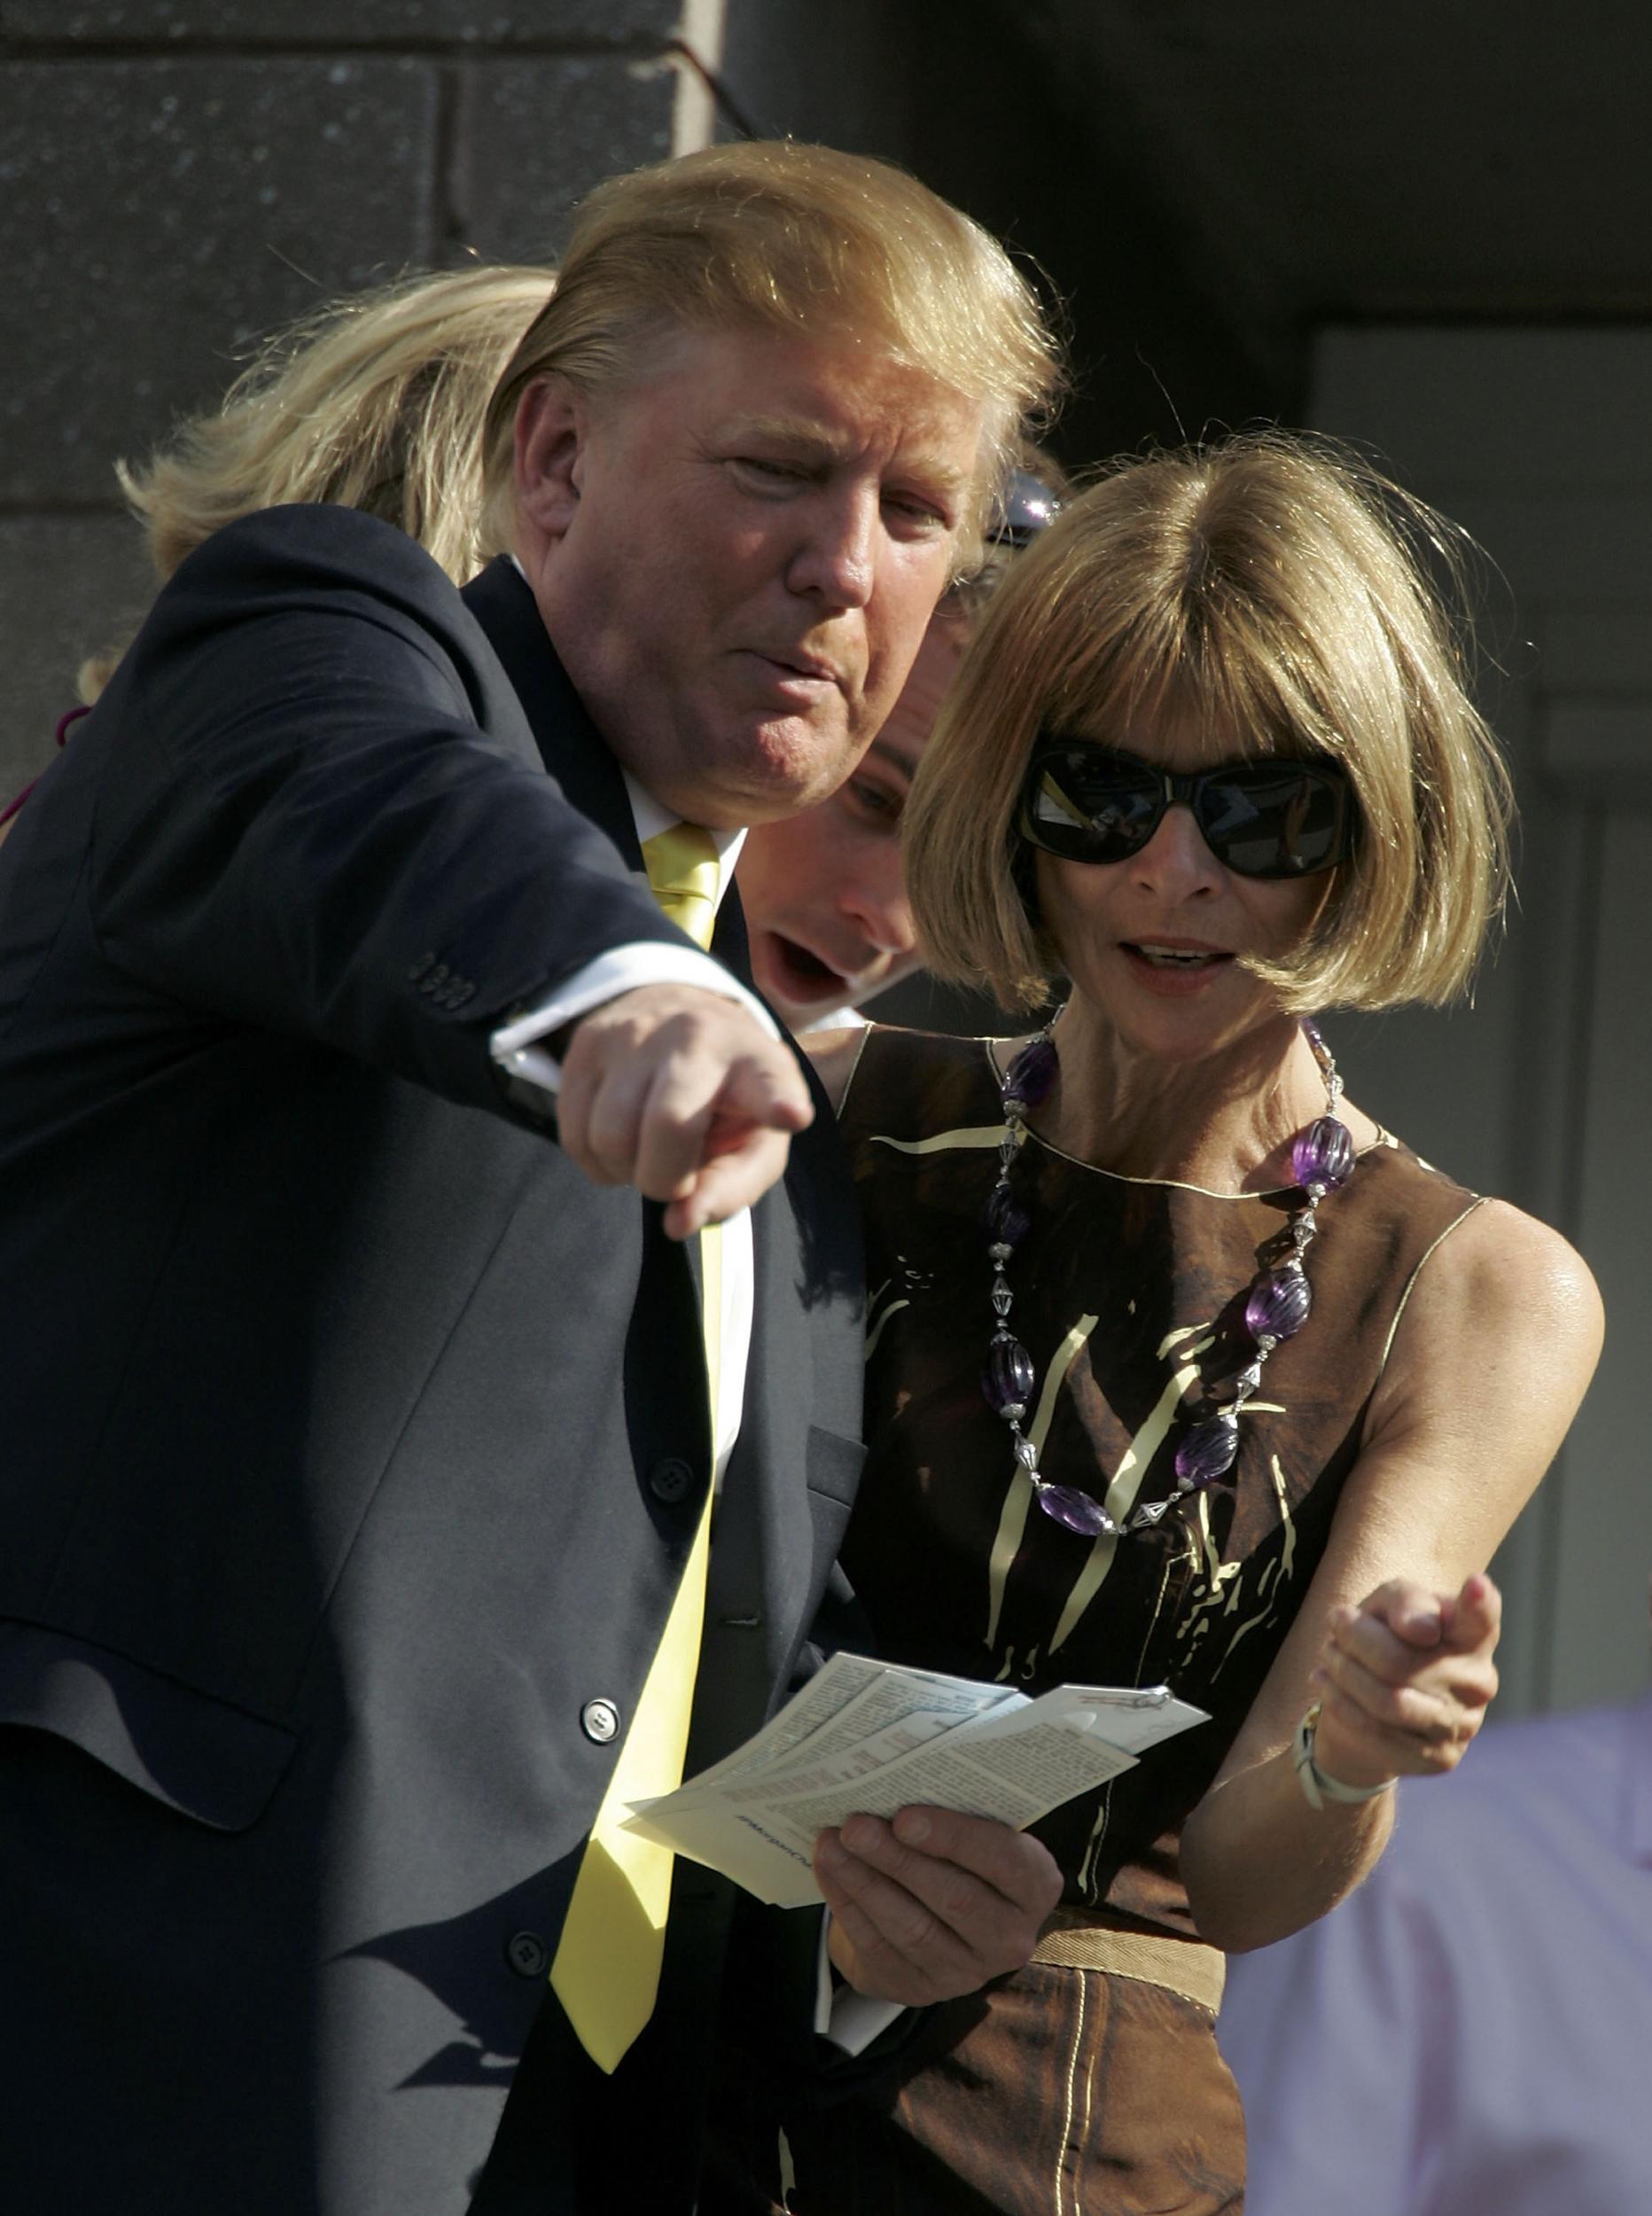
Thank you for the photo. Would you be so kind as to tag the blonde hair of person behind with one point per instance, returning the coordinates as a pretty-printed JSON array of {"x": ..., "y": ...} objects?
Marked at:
[
  {"x": 375, "y": 402},
  {"x": 1276, "y": 595},
  {"x": 790, "y": 238}
]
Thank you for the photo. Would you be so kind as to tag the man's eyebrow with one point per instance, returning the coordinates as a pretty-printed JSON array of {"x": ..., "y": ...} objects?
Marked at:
[{"x": 796, "y": 431}]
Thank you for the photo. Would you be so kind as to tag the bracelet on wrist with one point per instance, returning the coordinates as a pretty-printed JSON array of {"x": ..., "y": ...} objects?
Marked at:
[{"x": 1317, "y": 1788}]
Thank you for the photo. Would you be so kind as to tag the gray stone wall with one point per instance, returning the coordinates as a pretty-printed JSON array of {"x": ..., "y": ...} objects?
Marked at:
[{"x": 178, "y": 177}]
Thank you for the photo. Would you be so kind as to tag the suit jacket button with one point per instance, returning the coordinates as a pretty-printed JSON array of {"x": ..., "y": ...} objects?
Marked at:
[
  {"x": 599, "y": 1719},
  {"x": 426, "y": 961},
  {"x": 671, "y": 1480},
  {"x": 527, "y": 1954}
]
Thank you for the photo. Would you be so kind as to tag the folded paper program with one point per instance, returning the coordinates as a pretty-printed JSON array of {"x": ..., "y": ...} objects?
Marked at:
[{"x": 873, "y": 1738}]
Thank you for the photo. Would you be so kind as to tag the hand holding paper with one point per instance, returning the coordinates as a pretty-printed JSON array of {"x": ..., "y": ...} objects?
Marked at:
[
  {"x": 866, "y": 1738},
  {"x": 934, "y": 1904}
]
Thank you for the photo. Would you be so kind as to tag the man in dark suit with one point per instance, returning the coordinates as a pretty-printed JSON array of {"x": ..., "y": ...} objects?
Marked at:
[{"x": 365, "y": 1388}]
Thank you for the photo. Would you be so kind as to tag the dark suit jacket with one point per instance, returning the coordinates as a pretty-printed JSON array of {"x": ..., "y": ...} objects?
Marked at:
[{"x": 343, "y": 1424}]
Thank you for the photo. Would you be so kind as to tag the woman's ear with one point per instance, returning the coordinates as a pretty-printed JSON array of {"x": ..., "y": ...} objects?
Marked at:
[{"x": 552, "y": 425}]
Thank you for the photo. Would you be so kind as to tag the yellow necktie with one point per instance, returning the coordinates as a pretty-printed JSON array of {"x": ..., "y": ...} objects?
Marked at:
[
  {"x": 682, "y": 865},
  {"x": 606, "y": 1971}
]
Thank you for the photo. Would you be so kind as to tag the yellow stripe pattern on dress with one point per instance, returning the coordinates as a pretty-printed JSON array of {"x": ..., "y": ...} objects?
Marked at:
[{"x": 1012, "y": 1520}]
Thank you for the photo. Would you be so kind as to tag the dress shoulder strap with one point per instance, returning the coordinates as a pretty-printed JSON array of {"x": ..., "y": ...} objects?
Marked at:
[{"x": 907, "y": 1084}]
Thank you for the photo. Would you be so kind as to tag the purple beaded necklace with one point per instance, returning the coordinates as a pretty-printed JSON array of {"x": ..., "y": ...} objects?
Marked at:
[{"x": 1321, "y": 1159}]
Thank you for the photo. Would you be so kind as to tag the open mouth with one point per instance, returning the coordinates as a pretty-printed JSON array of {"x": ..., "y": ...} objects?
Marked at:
[
  {"x": 1176, "y": 957},
  {"x": 1167, "y": 969},
  {"x": 798, "y": 975}
]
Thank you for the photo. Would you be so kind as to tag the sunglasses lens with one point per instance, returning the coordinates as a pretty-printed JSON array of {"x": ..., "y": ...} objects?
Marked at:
[
  {"x": 1028, "y": 506},
  {"x": 1084, "y": 805},
  {"x": 1271, "y": 820}
]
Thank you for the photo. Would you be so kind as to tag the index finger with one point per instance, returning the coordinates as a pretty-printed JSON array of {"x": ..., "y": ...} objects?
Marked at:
[
  {"x": 1475, "y": 1616},
  {"x": 766, "y": 1086},
  {"x": 703, "y": 1105},
  {"x": 729, "y": 1181}
]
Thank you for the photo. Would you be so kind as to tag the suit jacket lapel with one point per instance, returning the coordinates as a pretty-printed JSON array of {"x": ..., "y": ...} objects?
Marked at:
[
  {"x": 569, "y": 743},
  {"x": 729, "y": 940}
]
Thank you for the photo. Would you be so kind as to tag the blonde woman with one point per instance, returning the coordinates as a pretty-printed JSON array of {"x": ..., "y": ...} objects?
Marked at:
[{"x": 1182, "y": 1370}]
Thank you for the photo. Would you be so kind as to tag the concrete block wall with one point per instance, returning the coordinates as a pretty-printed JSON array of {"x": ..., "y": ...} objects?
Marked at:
[{"x": 178, "y": 177}]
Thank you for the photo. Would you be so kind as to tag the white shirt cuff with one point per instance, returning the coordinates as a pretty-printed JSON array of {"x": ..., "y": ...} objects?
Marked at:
[
  {"x": 851, "y": 2020},
  {"x": 621, "y": 970}
]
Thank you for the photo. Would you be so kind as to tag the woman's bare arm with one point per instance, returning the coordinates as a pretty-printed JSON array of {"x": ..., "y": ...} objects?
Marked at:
[{"x": 1491, "y": 1359}]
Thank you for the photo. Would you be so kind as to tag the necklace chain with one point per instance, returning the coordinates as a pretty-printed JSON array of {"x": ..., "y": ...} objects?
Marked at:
[{"x": 1276, "y": 1306}]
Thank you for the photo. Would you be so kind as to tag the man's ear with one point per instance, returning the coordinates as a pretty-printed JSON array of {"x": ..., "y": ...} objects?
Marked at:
[{"x": 553, "y": 422}]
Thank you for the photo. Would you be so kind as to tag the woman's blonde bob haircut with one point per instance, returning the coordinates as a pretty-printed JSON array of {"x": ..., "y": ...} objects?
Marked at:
[
  {"x": 801, "y": 239},
  {"x": 375, "y": 402},
  {"x": 1275, "y": 595}
]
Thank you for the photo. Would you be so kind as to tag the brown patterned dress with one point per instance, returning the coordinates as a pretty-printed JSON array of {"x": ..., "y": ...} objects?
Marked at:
[{"x": 1064, "y": 2090}]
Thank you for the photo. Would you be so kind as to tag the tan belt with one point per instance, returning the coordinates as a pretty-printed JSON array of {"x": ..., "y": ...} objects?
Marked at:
[{"x": 1074, "y": 1940}]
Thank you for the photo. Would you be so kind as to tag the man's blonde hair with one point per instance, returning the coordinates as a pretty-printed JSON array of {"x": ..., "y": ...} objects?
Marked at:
[
  {"x": 1277, "y": 596},
  {"x": 374, "y": 401},
  {"x": 796, "y": 238}
]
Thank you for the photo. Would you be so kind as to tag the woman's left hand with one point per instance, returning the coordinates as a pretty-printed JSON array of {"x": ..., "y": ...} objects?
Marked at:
[
  {"x": 1405, "y": 1680},
  {"x": 933, "y": 1905}
]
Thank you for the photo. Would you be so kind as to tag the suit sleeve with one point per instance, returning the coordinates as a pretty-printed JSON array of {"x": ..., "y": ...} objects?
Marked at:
[{"x": 324, "y": 813}]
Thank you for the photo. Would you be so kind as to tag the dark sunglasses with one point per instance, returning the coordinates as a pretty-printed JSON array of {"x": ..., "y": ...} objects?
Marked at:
[{"x": 1281, "y": 817}]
